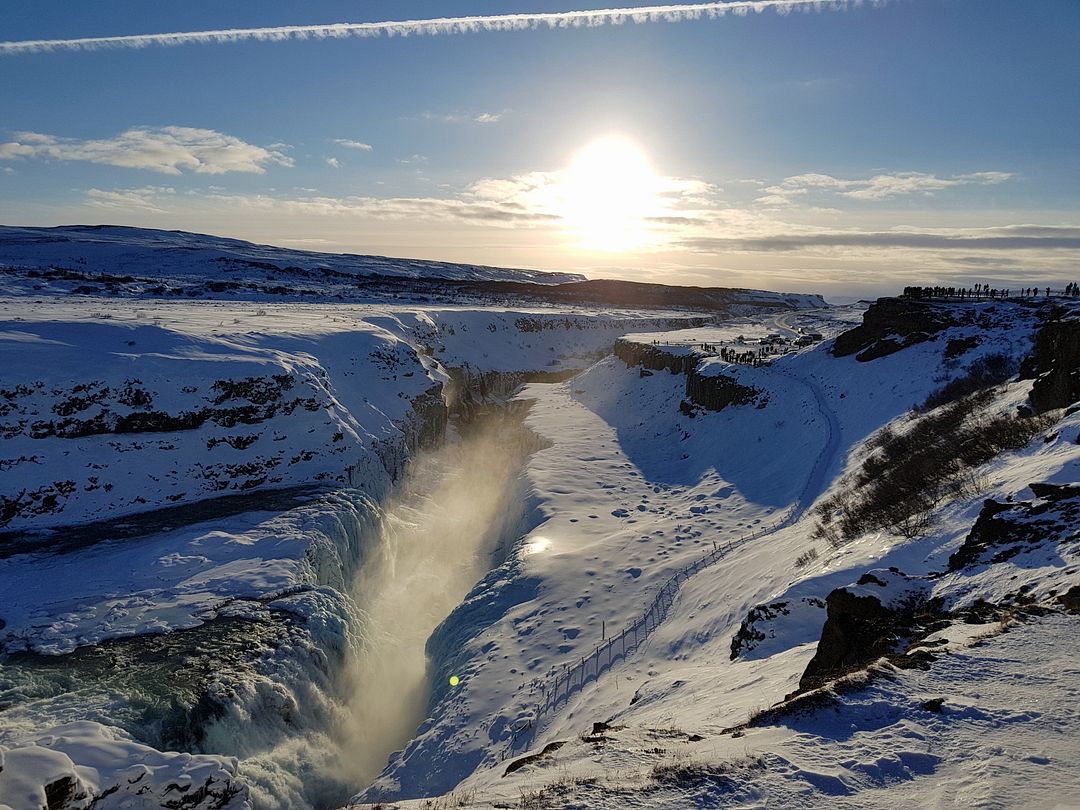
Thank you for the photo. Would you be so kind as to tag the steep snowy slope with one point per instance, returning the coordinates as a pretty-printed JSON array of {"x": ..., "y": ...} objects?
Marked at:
[
  {"x": 233, "y": 459},
  {"x": 669, "y": 622},
  {"x": 153, "y": 405},
  {"x": 640, "y": 482}
]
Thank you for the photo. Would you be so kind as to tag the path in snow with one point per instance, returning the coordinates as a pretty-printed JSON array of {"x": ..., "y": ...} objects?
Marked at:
[
  {"x": 570, "y": 679},
  {"x": 818, "y": 481}
]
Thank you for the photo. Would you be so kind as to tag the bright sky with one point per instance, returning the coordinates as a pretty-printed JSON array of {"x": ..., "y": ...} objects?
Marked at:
[{"x": 847, "y": 150}]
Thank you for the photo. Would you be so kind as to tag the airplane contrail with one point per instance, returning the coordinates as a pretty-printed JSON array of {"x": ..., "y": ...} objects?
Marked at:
[{"x": 432, "y": 27}]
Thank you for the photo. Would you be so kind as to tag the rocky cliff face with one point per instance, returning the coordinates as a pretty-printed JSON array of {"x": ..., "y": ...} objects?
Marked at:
[
  {"x": 654, "y": 358},
  {"x": 891, "y": 324},
  {"x": 472, "y": 389},
  {"x": 717, "y": 391},
  {"x": 713, "y": 392},
  {"x": 424, "y": 426},
  {"x": 1055, "y": 365},
  {"x": 1004, "y": 530}
]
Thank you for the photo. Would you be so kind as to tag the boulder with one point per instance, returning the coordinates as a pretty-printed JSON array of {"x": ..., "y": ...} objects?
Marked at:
[{"x": 866, "y": 621}]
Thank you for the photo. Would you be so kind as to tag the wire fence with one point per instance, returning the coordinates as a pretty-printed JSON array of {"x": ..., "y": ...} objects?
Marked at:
[{"x": 563, "y": 682}]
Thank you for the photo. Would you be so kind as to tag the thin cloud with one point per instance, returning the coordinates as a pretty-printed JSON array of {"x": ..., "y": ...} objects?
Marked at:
[
  {"x": 431, "y": 27},
  {"x": 462, "y": 118},
  {"x": 168, "y": 150},
  {"x": 878, "y": 187},
  {"x": 348, "y": 143},
  {"x": 148, "y": 198},
  {"x": 467, "y": 208},
  {"x": 1013, "y": 237}
]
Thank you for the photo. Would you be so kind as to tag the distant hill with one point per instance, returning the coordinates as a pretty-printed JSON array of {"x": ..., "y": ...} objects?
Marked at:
[
  {"x": 140, "y": 262},
  {"x": 119, "y": 249}
]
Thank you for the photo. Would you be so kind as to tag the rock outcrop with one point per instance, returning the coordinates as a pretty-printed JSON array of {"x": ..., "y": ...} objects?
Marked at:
[
  {"x": 656, "y": 358},
  {"x": 892, "y": 324},
  {"x": 1055, "y": 365},
  {"x": 713, "y": 392},
  {"x": 866, "y": 621},
  {"x": 1004, "y": 530}
]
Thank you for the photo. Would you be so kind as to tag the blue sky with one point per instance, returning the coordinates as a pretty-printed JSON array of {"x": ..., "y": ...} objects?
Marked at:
[{"x": 773, "y": 141}]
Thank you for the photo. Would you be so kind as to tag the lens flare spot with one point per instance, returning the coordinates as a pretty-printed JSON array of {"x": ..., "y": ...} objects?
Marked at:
[{"x": 454, "y": 680}]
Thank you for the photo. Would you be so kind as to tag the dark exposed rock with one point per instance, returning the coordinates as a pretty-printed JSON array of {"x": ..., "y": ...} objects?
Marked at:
[
  {"x": 655, "y": 358},
  {"x": 1070, "y": 600},
  {"x": 858, "y": 630},
  {"x": 862, "y": 626},
  {"x": 61, "y": 793},
  {"x": 748, "y": 636},
  {"x": 257, "y": 390},
  {"x": 891, "y": 324},
  {"x": 1007, "y": 529},
  {"x": 879, "y": 348},
  {"x": 934, "y": 705},
  {"x": 981, "y": 612},
  {"x": 955, "y": 348},
  {"x": 713, "y": 392},
  {"x": 471, "y": 390},
  {"x": 530, "y": 759},
  {"x": 717, "y": 391},
  {"x": 1055, "y": 492},
  {"x": 1055, "y": 365},
  {"x": 246, "y": 401}
]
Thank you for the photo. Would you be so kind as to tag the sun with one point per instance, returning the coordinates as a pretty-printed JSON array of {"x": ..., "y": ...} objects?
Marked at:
[{"x": 609, "y": 193}]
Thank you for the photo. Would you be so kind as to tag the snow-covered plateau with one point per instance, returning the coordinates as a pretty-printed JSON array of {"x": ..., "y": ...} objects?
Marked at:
[{"x": 271, "y": 551}]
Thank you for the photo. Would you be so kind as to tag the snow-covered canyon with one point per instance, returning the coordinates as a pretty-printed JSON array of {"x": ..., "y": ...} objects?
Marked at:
[
  {"x": 287, "y": 553},
  {"x": 176, "y": 479}
]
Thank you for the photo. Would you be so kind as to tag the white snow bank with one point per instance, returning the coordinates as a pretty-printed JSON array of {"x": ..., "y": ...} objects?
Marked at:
[{"x": 86, "y": 765}]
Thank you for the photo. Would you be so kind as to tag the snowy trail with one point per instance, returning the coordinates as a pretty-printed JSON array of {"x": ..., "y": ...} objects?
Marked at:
[
  {"x": 818, "y": 480},
  {"x": 571, "y": 679}
]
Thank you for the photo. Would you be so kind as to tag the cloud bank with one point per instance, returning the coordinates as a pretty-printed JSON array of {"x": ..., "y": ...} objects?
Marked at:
[
  {"x": 169, "y": 150},
  {"x": 701, "y": 237},
  {"x": 878, "y": 187},
  {"x": 679, "y": 12},
  {"x": 1010, "y": 237}
]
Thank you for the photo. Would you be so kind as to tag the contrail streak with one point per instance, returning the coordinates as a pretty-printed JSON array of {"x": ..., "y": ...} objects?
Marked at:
[{"x": 438, "y": 26}]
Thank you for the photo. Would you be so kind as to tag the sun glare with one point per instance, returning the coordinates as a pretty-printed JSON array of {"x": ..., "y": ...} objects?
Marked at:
[{"x": 609, "y": 192}]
